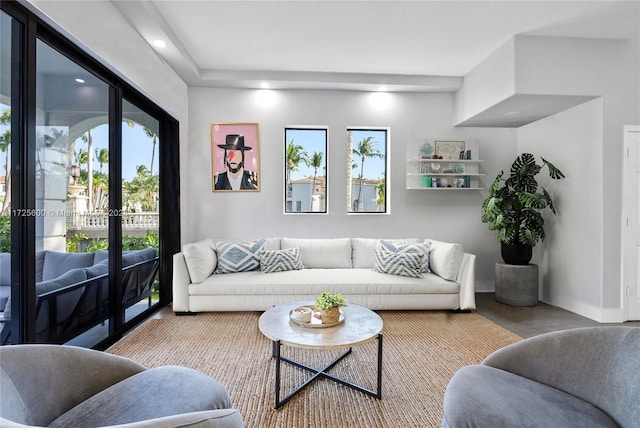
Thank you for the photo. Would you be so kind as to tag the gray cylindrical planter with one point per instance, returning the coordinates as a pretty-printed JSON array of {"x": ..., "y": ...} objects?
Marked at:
[{"x": 517, "y": 285}]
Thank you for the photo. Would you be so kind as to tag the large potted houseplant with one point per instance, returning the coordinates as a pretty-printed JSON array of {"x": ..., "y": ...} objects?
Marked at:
[{"x": 514, "y": 208}]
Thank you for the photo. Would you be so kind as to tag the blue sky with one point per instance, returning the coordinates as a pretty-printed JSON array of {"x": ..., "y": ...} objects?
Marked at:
[
  {"x": 136, "y": 149},
  {"x": 313, "y": 140}
]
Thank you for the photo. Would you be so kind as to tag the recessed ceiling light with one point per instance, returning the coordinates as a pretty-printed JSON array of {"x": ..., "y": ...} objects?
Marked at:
[
  {"x": 264, "y": 85},
  {"x": 79, "y": 80},
  {"x": 159, "y": 43},
  {"x": 382, "y": 89}
]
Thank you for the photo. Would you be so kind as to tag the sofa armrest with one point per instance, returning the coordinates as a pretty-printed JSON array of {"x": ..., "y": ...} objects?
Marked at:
[
  {"x": 72, "y": 374},
  {"x": 221, "y": 418},
  {"x": 467, "y": 280},
  {"x": 585, "y": 362},
  {"x": 180, "y": 284}
]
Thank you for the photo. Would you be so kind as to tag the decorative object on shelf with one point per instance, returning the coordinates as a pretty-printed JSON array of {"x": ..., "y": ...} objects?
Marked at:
[
  {"x": 330, "y": 303},
  {"x": 426, "y": 150},
  {"x": 513, "y": 208},
  {"x": 449, "y": 149}
]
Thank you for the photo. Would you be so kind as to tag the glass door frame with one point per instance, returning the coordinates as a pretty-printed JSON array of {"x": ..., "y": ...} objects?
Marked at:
[{"x": 23, "y": 184}]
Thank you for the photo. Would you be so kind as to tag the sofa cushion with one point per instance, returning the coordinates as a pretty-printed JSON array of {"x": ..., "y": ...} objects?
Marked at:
[
  {"x": 398, "y": 263},
  {"x": 56, "y": 263},
  {"x": 486, "y": 396},
  {"x": 322, "y": 253},
  {"x": 238, "y": 256},
  {"x": 201, "y": 259},
  {"x": 296, "y": 284},
  {"x": 100, "y": 255},
  {"x": 445, "y": 258},
  {"x": 364, "y": 250},
  {"x": 5, "y": 269},
  {"x": 136, "y": 256},
  {"x": 417, "y": 248},
  {"x": 40, "y": 263},
  {"x": 98, "y": 269},
  {"x": 280, "y": 260},
  {"x": 66, "y": 302},
  {"x": 153, "y": 393}
]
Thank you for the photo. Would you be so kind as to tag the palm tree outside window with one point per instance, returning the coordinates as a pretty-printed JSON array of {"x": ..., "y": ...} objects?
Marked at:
[
  {"x": 305, "y": 170},
  {"x": 367, "y": 178}
]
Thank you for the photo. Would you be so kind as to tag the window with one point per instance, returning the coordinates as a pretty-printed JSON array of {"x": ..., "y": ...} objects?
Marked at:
[
  {"x": 367, "y": 166},
  {"x": 88, "y": 253},
  {"x": 305, "y": 170}
]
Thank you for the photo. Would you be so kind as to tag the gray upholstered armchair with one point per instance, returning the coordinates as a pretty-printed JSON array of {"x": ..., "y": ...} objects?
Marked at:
[
  {"x": 63, "y": 386},
  {"x": 586, "y": 377}
]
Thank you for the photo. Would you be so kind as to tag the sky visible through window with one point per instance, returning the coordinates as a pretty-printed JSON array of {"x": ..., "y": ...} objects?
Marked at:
[
  {"x": 136, "y": 148},
  {"x": 374, "y": 168}
]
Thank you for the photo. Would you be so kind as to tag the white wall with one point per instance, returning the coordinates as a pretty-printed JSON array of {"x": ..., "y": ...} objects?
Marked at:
[
  {"x": 490, "y": 82},
  {"x": 610, "y": 69},
  {"x": 570, "y": 258},
  {"x": 449, "y": 216}
]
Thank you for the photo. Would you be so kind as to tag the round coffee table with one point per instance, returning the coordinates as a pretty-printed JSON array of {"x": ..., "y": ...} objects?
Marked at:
[{"x": 361, "y": 325}]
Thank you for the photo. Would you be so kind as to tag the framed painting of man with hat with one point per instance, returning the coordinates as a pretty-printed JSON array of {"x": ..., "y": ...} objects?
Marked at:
[{"x": 235, "y": 157}]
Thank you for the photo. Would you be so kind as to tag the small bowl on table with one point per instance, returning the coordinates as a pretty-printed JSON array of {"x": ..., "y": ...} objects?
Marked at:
[{"x": 302, "y": 314}]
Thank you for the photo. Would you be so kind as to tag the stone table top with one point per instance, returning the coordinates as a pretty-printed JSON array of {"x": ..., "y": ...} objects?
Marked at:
[{"x": 360, "y": 325}]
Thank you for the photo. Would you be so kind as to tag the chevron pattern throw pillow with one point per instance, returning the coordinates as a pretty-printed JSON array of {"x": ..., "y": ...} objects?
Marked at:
[
  {"x": 405, "y": 264},
  {"x": 280, "y": 260},
  {"x": 238, "y": 256},
  {"x": 414, "y": 248}
]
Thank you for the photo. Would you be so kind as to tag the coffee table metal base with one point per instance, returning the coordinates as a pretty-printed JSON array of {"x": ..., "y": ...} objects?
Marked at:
[{"x": 322, "y": 373}]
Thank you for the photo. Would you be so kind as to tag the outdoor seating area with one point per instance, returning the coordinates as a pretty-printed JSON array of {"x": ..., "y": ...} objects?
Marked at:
[{"x": 72, "y": 290}]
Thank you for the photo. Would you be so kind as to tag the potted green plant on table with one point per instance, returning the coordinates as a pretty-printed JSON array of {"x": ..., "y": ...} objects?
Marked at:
[
  {"x": 514, "y": 208},
  {"x": 329, "y": 303}
]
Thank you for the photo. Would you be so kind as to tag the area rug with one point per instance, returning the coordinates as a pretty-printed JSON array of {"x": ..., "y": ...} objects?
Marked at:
[{"x": 421, "y": 351}]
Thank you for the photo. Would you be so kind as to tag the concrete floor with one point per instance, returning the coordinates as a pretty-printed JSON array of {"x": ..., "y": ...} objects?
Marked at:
[{"x": 532, "y": 320}]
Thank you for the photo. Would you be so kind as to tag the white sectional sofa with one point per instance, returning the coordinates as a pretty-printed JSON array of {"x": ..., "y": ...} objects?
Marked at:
[{"x": 342, "y": 265}]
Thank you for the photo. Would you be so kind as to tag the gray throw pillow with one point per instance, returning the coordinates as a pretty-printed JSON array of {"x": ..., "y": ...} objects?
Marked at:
[
  {"x": 415, "y": 248},
  {"x": 404, "y": 264},
  {"x": 238, "y": 256},
  {"x": 280, "y": 260}
]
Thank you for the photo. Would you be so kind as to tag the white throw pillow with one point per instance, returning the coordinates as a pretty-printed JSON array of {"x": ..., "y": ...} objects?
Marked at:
[
  {"x": 405, "y": 264},
  {"x": 200, "y": 258},
  {"x": 445, "y": 258},
  {"x": 322, "y": 253}
]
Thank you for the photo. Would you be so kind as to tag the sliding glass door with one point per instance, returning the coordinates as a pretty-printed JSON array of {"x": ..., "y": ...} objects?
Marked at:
[{"x": 84, "y": 255}]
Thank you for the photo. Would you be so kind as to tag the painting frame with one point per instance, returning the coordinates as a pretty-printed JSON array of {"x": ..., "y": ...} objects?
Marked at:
[
  {"x": 449, "y": 149},
  {"x": 235, "y": 157}
]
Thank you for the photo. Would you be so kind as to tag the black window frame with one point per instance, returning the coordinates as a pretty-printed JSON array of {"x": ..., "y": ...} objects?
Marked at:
[{"x": 23, "y": 184}]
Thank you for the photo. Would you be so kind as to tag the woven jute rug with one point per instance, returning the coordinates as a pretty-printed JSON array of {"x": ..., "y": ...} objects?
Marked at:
[{"x": 421, "y": 351}]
